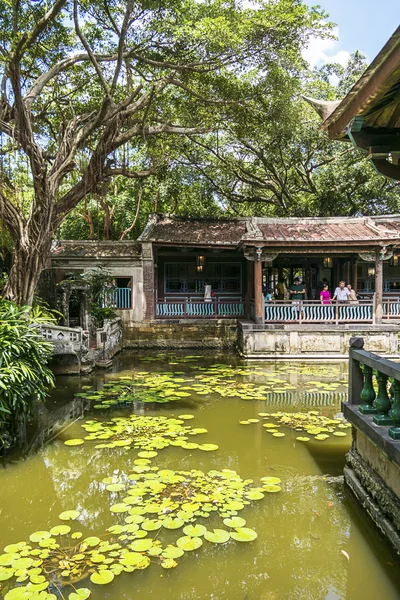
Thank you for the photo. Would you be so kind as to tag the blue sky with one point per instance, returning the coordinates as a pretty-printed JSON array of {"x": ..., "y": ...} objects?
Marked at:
[{"x": 363, "y": 25}]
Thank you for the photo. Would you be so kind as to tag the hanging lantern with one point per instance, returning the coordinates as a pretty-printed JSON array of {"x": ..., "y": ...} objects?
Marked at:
[
  {"x": 371, "y": 271},
  {"x": 327, "y": 262},
  {"x": 200, "y": 263}
]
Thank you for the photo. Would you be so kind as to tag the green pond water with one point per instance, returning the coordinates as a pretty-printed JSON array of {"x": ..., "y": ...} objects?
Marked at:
[{"x": 313, "y": 541}]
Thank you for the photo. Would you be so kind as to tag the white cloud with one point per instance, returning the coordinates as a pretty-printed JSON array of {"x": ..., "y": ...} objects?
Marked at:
[{"x": 320, "y": 52}]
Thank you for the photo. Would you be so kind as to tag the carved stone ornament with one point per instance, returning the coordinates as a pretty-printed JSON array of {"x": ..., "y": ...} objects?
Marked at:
[
  {"x": 386, "y": 253},
  {"x": 250, "y": 253},
  {"x": 367, "y": 256}
]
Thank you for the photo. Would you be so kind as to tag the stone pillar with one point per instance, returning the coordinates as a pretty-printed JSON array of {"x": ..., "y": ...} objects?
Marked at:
[
  {"x": 258, "y": 295},
  {"x": 148, "y": 282},
  {"x": 378, "y": 286}
]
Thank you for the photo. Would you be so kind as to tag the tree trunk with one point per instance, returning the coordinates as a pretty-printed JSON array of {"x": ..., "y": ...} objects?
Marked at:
[{"x": 28, "y": 262}]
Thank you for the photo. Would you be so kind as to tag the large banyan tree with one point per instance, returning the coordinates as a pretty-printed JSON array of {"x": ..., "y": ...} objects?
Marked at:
[{"x": 85, "y": 85}]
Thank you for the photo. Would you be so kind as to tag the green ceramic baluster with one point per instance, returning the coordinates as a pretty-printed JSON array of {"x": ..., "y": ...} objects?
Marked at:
[
  {"x": 367, "y": 395},
  {"x": 394, "y": 432},
  {"x": 382, "y": 402}
]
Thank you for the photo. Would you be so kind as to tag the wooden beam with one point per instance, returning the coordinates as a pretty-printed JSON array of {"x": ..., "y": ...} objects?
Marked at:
[{"x": 390, "y": 170}]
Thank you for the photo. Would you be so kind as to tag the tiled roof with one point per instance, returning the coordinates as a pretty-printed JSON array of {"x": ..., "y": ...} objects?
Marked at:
[
  {"x": 94, "y": 249},
  {"x": 196, "y": 231},
  {"x": 325, "y": 231}
]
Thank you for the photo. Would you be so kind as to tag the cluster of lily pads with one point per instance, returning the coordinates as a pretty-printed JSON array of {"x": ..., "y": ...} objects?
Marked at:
[
  {"x": 163, "y": 499},
  {"x": 312, "y": 422},
  {"x": 155, "y": 500},
  {"x": 147, "y": 433},
  {"x": 221, "y": 379},
  {"x": 55, "y": 559}
]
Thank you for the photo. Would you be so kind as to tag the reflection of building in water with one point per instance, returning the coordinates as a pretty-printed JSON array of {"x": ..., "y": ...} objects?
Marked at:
[{"x": 306, "y": 398}]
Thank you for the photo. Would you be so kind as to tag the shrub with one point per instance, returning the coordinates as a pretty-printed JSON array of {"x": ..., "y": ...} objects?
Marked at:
[{"x": 24, "y": 374}]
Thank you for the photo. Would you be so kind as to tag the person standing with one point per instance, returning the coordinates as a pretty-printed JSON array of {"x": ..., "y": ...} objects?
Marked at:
[
  {"x": 208, "y": 293},
  {"x": 297, "y": 291},
  {"x": 352, "y": 295},
  {"x": 325, "y": 295},
  {"x": 281, "y": 290},
  {"x": 341, "y": 293}
]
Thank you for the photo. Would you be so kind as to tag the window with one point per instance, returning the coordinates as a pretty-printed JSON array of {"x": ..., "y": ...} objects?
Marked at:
[
  {"x": 119, "y": 297},
  {"x": 181, "y": 278}
]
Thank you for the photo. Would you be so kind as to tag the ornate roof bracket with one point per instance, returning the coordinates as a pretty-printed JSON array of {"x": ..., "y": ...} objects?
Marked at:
[{"x": 251, "y": 253}]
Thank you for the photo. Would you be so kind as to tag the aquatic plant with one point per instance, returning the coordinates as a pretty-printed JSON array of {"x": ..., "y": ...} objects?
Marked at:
[
  {"x": 163, "y": 499},
  {"x": 312, "y": 422},
  {"x": 218, "y": 379},
  {"x": 155, "y": 500},
  {"x": 146, "y": 433},
  {"x": 24, "y": 375}
]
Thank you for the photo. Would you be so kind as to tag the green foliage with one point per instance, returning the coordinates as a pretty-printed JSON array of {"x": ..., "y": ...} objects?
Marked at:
[{"x": 24, "y": 375}]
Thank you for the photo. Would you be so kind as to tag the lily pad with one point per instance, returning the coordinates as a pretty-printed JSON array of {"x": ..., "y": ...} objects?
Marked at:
[
  {"x": 60, "y": 530},
  {"x": 172, "y": 552},
  {"x": 234, "y": 522},
  {"x": 102, "y": 577},
  {"x": 80, "y": 594},
  {"x": 271, "y": 488},
  {"x": 217, "y": 536},
  {"x": 168, "y": 563},
  {"x": 208, "y": 447},
  {"x": 194, "y": 530},
  {"x": 38, "y": 536},
  {"x": 142, "y": 545},
  {"x": 188, "y": 543},
  {"x": 244, "y": 534},
  {"x": 74, "y": 442},
  {"x": 69, "y": 515}
]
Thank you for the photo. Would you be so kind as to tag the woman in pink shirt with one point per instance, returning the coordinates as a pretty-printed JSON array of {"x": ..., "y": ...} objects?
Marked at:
[{"x": 325, "y": 295}]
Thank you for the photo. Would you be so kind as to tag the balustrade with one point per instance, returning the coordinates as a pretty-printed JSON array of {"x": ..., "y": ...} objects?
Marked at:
[
  {"x": 198, "y": 309},
  {"x": 384, "y": 406},
  {"x": 312, "y": 311}
]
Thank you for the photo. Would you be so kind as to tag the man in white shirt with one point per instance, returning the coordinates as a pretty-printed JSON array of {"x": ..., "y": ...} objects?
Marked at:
[{"x": 342, "y": 293}]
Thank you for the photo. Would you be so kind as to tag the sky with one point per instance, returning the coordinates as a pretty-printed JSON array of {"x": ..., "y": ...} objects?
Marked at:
[{"x": 363, "y": 25}]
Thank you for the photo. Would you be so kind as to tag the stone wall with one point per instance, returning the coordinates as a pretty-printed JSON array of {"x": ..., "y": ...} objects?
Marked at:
[
  {"x": 216, "y": 334},
  {"x": 263, "y": 341},
  {"x": 374, "y": 480}
]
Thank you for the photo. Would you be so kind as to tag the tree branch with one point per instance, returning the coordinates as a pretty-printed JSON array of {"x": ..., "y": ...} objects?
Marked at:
[
  {"x": 90, "y": 54},
  {"x": 129, "y": 229}
]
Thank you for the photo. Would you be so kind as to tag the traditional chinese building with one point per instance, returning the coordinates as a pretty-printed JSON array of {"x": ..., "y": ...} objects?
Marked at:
[{"x": 162, "y": 277}]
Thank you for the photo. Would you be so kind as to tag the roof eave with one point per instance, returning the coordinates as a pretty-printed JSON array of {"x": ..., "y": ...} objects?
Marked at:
[{"x": 366, "y": 89}]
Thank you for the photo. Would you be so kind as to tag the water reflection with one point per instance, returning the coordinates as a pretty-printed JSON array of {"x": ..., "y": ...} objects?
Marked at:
[{"x": 302, "y": 530}]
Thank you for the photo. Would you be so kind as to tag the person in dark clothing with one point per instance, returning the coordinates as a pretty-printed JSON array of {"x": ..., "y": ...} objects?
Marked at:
[{"x": 297, "y": 291}]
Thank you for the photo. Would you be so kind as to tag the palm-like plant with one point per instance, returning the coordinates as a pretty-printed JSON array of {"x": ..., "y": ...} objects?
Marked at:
[{"x": 24, "y": 374}]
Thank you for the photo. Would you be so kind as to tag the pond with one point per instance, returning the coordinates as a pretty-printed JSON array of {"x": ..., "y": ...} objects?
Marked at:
[{"x": 267, "y": 472}]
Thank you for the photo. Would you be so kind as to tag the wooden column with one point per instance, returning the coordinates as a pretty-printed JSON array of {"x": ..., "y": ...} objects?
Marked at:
[
  {"x": 249, "y": 289},
  {"x": 258, "y": 295},
  {"x": 378, "y": 286},
  {"x": 354, "y": 265}
]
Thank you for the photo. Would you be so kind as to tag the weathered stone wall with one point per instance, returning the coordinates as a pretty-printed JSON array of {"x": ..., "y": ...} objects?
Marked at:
[
  {"x": 113, "y": 342},
  {"x": 181, "y": 334},
  {"x": 267, "y": 340},
  {"x": 374, "y": 480}
]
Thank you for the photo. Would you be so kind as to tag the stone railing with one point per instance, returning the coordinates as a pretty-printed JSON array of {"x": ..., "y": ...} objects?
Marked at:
[
  {"x": 372, "y": 470},
  {"x": 187, "y": 308},
  {"x": 312, "y": 311},
  {"x": 109, "y": 338},
  {"x": 65, "y": 340},
  {"x": 383, "y": 405}
]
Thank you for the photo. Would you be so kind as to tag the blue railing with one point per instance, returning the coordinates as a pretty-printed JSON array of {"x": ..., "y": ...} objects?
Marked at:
[
  {"x": 119, "y": 298},
  {"x": 198, "y": 309},
  {"x": 312, "y": 311}
]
